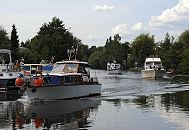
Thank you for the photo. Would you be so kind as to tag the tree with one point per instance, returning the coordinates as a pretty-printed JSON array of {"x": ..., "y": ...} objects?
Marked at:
[
  {"x": 53, "y": 39},
  {"x": 165, "y": 51},
  {"x": 113, "y": 50},
  {"x": 83, "y": 52},
  {"x": 4, "y": 39},
  {"x": 184, "y": 64},
  {"x": 98, "y": 59},
  {"x": 142, "y": 47},
  {"x": 14, "y": 42},
  {"x": 184, "y": 39}
]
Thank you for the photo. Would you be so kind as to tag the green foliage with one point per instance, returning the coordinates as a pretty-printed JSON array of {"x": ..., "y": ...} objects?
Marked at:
[
  {"x": 4, "y": 39},
  {"x": 14, "y": 42},
  {"x": 53, "y": 39},
  {"x": 184, "y": 39},
  {"x": 142, "y": 47},
  {"x": 29, "y": 56},
  {"x": 98, "y": 59},
  {"x": 83, "y": 53},
  {"x": 175, "y": 55},
  {"x": 165, "y": 51},
  {"x": 113, "y": 50},
  {"x": 184, "y": 64}
]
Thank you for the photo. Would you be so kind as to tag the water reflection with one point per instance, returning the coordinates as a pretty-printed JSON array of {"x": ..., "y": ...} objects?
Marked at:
[
  {"x": 168, "y": 100},
  {"x": 170, "y": 110},
  {"x": 127, "y": 102},
  {"x": 177, "y": 99},
  {"x": 10, "y": 96},
  {"x": 65, "y": 114}
]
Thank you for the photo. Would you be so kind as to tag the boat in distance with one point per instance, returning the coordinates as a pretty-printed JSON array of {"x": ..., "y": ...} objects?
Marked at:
[
  {"x": 68, "y": 79},
  {"x": 153, "y": 69},
  {"x": 113, "y": 68}
]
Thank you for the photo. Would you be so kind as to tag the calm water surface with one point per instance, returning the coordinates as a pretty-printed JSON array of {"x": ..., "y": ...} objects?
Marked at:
[{"x": 127, "y": 102}]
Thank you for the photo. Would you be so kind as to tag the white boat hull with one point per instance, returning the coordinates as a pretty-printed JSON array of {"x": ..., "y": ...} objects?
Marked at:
[
  {"x": 114, "y": 71},
  {"x": 64, "y": 92},
  {"x": 153, "y": 74},
  {"x": 7, "y": 80}
]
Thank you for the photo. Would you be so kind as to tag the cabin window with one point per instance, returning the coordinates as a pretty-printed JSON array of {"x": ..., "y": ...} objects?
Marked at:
[
  {"x": 27, "y": 68},
  {"x": 81, "y": 69},
  {"x": 157, "y": 63},
  {"x": 70, "y": 68},
  {"x": 70, "y": 79},
  {"x": 149, "y": 63}
]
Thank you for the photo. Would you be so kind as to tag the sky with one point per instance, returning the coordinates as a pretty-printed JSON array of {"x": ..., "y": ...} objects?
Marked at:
[{"x": 94, "y": 21}]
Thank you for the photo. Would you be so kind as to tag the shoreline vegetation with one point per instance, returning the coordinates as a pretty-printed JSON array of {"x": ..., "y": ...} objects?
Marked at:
[{"x": 53, "y": 40}]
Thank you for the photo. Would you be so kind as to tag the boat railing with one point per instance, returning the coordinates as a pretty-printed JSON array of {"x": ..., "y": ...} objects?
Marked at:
[
  {"x": 8, "y": 67},
  {"x": 154, "y": 67}
]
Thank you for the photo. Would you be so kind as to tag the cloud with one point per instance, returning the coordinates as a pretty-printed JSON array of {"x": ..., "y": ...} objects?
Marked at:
[
  {"x": 93, "y": 39},
  {"x": 121, "y": 29},
  {"x": 104, "y": 8},
  {"x": 126, "y": 30},
  {"x": 137, "y": 27},
  {"x": 175, "y": 16}
]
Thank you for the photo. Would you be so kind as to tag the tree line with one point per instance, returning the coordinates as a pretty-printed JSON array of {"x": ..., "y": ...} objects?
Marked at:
[{"x": 53, "y": 40}]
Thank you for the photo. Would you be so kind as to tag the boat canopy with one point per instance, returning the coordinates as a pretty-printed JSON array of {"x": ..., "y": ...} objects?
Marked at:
[
  {"x": 153, "y": 60},
  {"x": 75, "y": 62}
]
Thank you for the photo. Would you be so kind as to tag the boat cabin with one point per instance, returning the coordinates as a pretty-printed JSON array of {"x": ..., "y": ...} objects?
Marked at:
[
  {"x": 153, "y": 63},
  {"x": 71, "y": 67},
  {"x": 113, "y": 66},
  {"x": 71, "y": 72},
  {"x": 32, "y": 69}
]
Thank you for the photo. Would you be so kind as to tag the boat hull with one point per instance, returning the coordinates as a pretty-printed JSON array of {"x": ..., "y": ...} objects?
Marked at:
[
  {"x": 63, "y": 92},
  {"x": 7, "y": 81},
  {"x": 114, "y": 71},
  {"x": 153, "y": 74}
]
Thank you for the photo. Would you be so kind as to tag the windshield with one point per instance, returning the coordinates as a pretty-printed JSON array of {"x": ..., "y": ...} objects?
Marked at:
[
  {"x": 70, "y": 68},
  {"x": 66, "y": 68},
  {"x": 58, "y": 68}
]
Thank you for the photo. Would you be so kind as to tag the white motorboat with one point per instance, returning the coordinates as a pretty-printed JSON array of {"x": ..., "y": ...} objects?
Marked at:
[
  {"x": 153, "y": 68},
  {"x": 68, "y": 79},
  {"x": 8, "y": 72},
  {"x": 113, "y": 68}
]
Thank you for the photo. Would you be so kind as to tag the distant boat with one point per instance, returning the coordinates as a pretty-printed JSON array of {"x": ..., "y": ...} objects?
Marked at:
[
  {"x": 113, "y": 68},
  {"x": 153, "y": 68},
  {"x": 8, "y": 72},
  {"x": 68, "y": 79}
]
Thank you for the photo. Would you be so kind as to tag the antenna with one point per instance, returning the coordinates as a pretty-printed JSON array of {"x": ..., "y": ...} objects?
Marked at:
[
  {"x": 76, "y": 52},
  {"x": 70, "y": 51}
]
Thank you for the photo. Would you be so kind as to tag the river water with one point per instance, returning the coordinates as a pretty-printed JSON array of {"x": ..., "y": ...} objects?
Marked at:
[{"x": 128, "y": 102}]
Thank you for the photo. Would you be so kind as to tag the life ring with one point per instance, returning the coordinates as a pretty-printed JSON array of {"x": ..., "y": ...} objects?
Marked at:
[
  {"x": 38, "y": 82},
  {"x": 19, "y": 82}
]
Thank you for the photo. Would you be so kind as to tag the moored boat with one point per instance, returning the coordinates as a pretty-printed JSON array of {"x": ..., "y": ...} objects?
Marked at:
[
  {"x": 8, "y": 72},
  {"x": 153, "y": 68},
  {"x": 68, "y": 79},
  {"x": 33, "y": 69}
]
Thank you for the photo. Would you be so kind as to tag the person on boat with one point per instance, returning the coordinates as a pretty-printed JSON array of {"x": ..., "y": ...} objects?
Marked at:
[
  {"x": 17, "y": 66},
  {"x": 22, "y": 63}
]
